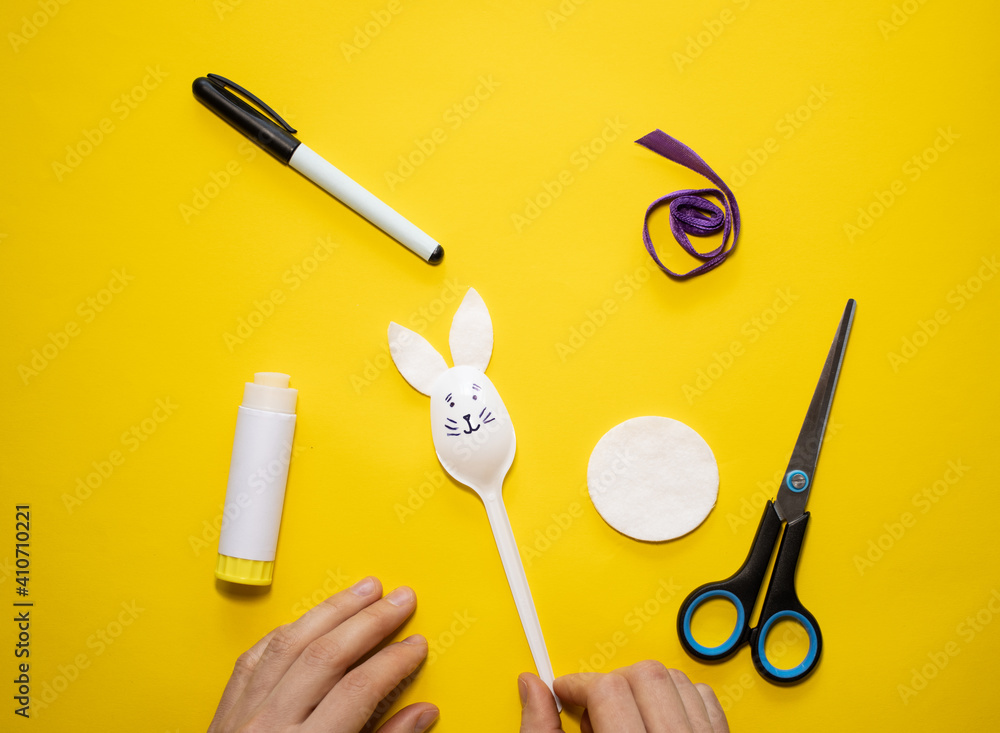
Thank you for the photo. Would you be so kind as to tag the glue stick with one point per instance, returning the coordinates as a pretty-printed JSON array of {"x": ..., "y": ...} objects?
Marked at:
[{"x": 258, "y": 472}]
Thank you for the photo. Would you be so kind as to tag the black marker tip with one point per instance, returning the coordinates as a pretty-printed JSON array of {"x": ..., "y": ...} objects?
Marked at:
[{"x": 436, "y": 256}]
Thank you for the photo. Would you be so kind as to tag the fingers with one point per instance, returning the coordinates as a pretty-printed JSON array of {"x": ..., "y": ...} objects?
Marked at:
[
  {"x": 287, "y": 642},
  {"x": 354, "y": 698},
  {"x": 715, "y": 713},
  {"x": 694, "y": 706},
  {"x": 242, "y": 671},
  {"x": 645, "y": 696},
  {"x": 538, "y": 707},
  {"x": 657, "y": 697},
  {"x": 325, "y": 660},
  {"x": 572, "y": 688},
  {"x": 414, "y": 718},
  {"x": 607, "y": 697}
]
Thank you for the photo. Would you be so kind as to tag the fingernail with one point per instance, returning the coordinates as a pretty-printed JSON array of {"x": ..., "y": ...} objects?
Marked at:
[
  {"x": 364, "y": 587},
  {"x": 522, "y": 691},
  {"x": 401, "y": 596},
  {"x": 425, "y": 721},
  {"x": 414, "y": 639}
]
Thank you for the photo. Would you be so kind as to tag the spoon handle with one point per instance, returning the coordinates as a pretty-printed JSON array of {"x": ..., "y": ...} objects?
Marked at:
[{"x": 518, "y": 582}]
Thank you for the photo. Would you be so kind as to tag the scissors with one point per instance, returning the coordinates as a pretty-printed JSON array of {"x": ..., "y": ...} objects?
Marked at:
[{"x": 781, "y": 601}]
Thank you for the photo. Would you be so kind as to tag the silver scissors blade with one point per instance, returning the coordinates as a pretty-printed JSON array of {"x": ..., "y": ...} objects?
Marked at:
[{"x": 793, "y": 494}]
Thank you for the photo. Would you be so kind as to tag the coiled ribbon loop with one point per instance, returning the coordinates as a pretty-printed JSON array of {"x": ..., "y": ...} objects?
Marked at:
[{"x": 691, "y": 212}]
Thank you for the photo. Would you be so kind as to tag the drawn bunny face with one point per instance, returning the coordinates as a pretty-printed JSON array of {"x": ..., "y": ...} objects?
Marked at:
[
  {"x": 472, "y": 400},
  {"x": 466, "y": 409}
]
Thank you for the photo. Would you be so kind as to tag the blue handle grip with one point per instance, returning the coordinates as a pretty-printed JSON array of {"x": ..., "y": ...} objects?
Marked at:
[
  {"x": 803, "y": 668},
  {"x": 741, "y": 589},
  {"x": 725, "y": 648}
]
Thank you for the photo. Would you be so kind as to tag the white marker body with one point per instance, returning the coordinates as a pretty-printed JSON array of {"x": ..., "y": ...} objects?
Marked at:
[
  {"x": 258, "y": 472},
  {"x": 332, "y": 180}
]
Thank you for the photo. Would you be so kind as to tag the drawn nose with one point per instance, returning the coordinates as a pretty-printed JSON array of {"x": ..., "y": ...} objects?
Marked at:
[{"x": 468, "y": 422}]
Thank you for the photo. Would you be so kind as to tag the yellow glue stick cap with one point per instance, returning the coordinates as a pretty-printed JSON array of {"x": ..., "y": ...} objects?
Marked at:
[{"x": 247, "y": 572}]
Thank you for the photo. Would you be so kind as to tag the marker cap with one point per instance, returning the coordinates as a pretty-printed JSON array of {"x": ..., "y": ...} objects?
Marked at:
[{"x": 268, "y": 131}]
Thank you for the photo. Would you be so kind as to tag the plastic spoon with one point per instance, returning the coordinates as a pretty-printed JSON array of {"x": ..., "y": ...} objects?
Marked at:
[{"x": 481, "y": 460}]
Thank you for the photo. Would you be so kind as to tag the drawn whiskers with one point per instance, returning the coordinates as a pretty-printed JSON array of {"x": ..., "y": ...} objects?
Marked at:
[{"x": 451, "y": 426}]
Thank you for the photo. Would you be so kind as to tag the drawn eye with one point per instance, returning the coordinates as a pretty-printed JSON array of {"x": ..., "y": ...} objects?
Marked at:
[
  {"x": 452, "y": 404},
  {"x": 473, "y": 397},
  {"x": 448, "y": 400}
]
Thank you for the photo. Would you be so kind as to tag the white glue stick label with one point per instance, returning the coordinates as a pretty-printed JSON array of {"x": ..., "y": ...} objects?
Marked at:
[{"x": 262, "y": 450}]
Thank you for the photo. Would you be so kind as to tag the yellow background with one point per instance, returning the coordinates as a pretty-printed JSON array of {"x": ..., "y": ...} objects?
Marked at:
[{"x": 720, "y": 76}]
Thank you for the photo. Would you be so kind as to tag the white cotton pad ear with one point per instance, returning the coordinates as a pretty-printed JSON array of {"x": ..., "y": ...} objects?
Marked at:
[
  {"x": 653, "y": 478},
  {"x": 418, "y": 361},
  {"x": 471, "y": 337}
]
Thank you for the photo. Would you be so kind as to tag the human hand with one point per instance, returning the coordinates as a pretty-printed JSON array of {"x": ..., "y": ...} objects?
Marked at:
[
  {"x": 644, "y": 697},
  {"x": 305, "y": 676}
]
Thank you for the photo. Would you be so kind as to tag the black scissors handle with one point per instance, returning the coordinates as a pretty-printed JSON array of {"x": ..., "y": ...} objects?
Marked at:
[
  {"x": 782, "y": 603},
  {"x": 742, "y": 589}
]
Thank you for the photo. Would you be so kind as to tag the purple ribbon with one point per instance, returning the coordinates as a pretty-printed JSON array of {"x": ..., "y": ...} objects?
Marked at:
[{"x": 690, "y": 211}]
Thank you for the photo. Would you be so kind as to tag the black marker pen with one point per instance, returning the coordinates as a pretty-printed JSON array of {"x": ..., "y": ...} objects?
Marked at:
[{"x": 276, "y": 137}]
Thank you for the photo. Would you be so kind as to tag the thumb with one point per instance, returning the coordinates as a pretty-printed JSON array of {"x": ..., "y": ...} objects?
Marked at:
[{"x": 538, "y": 714}]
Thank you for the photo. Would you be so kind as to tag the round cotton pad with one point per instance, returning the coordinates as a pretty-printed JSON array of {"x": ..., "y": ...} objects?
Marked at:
[{"x": 653, "y": 478}]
